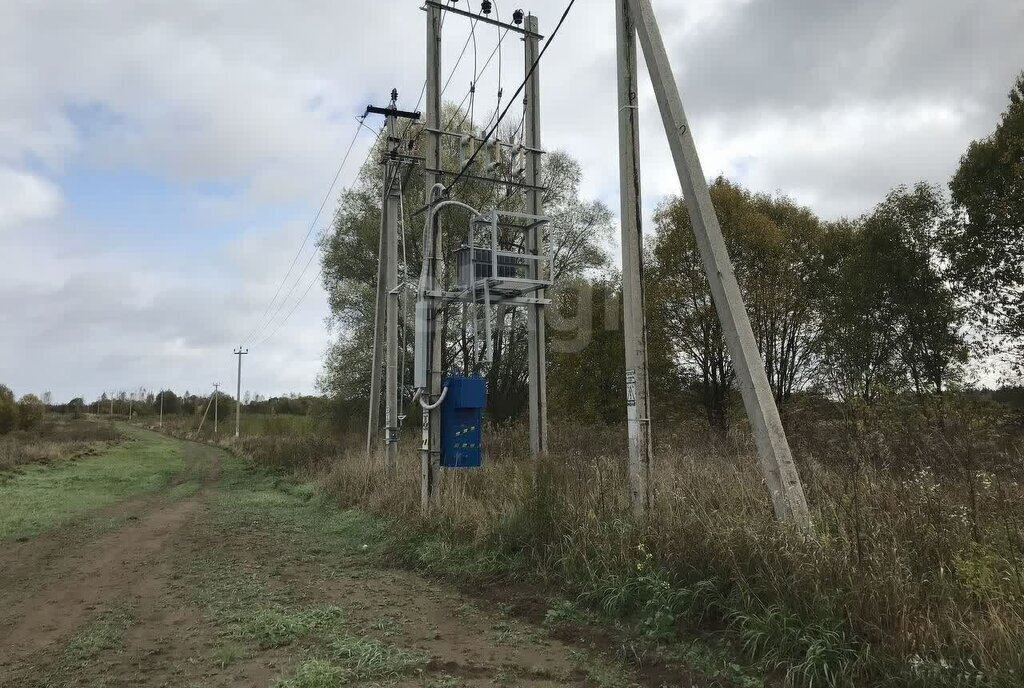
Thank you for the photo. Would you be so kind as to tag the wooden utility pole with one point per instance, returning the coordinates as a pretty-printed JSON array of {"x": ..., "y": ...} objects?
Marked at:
[
  {"x": 238, "y": 389},
  {"x": 638, "y": 410},
  {"x": 776, "y": 461},
  {"x": 161, "y": 408},
  {"x": 430, "y": 450},
  {"x": 536, "y": 346}
]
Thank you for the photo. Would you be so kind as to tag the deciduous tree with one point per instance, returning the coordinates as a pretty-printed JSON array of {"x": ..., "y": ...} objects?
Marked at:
[{"x": 985, "y": 244}]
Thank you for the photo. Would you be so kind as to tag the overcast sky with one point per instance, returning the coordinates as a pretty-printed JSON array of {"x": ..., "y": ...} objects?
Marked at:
[{"x": 161, "y": 162}]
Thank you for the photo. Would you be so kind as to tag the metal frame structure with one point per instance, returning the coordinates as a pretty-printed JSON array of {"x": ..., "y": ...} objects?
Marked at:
[{"x": 481, "y": 295}]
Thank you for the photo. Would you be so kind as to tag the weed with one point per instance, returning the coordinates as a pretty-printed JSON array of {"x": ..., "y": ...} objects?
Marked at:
[
  {"x": 315, "y": 673},
  {"x": 270, "y": 628},
  {"x": 443, "y": 681},
  {"x": 365, "y": 658},
  {"x": 104, "y": 632},
  {"x": 603, "y": 673},
  {"x": 566, "y": 613},
  {"x": 227, "y": 653}
]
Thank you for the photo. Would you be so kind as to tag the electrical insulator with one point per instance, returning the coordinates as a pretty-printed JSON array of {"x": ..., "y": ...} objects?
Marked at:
[
  {"x": 519, "y": 166},
  {"x": 485, "y": 7},
  {"x": 495, "y": 156},
  {"x": 517, "y": 17},
  {"x": 465, "y": 149}
]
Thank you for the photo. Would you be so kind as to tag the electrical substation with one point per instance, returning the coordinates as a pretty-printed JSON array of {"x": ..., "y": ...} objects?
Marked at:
[{"x": 504, "y": 260}]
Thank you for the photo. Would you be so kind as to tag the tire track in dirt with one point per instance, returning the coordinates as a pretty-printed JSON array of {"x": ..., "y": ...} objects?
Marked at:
[
  {"x": 114, "y": 566},
  {"x": 54, "y": 585}
]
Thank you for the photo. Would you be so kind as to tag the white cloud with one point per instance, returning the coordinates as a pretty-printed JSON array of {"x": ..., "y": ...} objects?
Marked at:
[{"x": 25, "y": 198}]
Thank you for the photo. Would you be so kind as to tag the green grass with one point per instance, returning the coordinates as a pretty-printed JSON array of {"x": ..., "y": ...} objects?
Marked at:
[
  {"x": 43, "y": 498},
  {"x": 295, "y": 511},
  {"x": 278, "y": 627},
  {"x": 255, "y": 610},
  {"x": 351, "y": 658},
  {"x": 104, "y": 632}
]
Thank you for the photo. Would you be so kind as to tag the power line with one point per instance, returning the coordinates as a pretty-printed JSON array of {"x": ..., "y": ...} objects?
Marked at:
[
  {"x": 309, "y": 262},
  {"x": 470, "y": 37},
  {"x": 512, "y": 100},
  {"x": 476, "y": 79},
  {"x": 260, "y": 323}
]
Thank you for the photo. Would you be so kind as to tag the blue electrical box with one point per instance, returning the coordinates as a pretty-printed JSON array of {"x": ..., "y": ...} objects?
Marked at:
[{"x": 462, "y": 417}]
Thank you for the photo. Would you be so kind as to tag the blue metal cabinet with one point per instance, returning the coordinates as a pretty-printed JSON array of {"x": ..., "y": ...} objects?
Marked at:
[{"x": 462, "y": 416}]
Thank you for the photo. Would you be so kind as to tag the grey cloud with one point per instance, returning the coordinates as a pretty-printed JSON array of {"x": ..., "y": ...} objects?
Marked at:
[{"x": 789, "y": 55}]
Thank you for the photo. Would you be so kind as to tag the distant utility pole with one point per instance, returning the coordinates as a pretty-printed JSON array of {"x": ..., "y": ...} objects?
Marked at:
[
  {"x": 207, "y": 411},
  {"x": 131, "y": 398},
  {"x": 638, "y": 410},
  {"x": 161, "y": 408},
  {"x": 776, "y": 461},
  {"x": 238, "y": 390},
  {"x": 216, "y": 393}
]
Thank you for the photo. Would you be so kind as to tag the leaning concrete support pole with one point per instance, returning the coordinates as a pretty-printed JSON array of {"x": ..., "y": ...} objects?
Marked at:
[
  {"x": 376, "y": 370},
  {"x": 773, "y": 450}
]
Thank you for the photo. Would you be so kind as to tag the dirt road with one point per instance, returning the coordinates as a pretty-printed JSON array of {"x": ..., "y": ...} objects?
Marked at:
[{"x": 228, "y": 578}]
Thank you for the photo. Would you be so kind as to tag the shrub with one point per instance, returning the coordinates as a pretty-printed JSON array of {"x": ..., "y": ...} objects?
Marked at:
[
  {"x": 30, "y": 411},
  {"x": 8, "y": 410}
]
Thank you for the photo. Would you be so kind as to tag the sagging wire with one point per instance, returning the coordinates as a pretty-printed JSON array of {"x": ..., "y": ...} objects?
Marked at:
[
  {"x": 476, "y": 79},
  {"x": 337, "y": 214},
  {"x": 262, "y": 324},
  {"x": 522, "y": 86}
]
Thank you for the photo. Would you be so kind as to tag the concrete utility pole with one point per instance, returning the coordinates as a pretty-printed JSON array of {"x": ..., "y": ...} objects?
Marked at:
[
  {"x": 380, "y": 312},
  {"x": 392, "y": 211},
  {"x": 776, "y": 461},
  {"x": 216, "y": 393},
  {"x": 536, "y": 346},
  {"x": 388, "y": 286},
  {"x": 638, "y": 410},
  {"x": 430, "y": 452},
  {"x": 238, "y": 390}
]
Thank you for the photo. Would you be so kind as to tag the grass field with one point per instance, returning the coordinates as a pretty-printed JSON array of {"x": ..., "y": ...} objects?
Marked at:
[{"x": 41, "y": 498}]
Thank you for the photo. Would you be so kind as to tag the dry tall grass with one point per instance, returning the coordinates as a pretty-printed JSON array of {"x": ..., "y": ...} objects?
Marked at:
[
  {"x": 915, "y": 575},
  {"x": 55, "y": 438}
]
